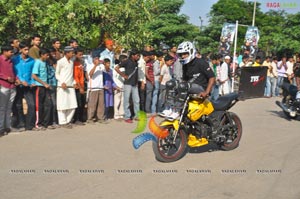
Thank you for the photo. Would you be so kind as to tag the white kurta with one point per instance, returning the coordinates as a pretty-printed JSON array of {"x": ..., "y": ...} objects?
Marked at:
[
  {"x": 66, "y": 99},
  {"x": 224, "y": 88}
]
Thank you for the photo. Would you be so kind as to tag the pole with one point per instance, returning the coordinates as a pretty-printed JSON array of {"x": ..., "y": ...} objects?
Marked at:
[
  {"x": 201, "y": 21},
  {"x": 254, "y": 10},
  {"x": 234, "y": 52}
]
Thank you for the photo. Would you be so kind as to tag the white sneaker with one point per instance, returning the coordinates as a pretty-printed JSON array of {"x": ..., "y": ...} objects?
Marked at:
[
  {"x": 166, "y": 113},
  {"x": 173, "y": 116}
]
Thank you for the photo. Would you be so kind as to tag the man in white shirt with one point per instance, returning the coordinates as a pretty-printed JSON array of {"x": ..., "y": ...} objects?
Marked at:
[
  {"x": 165, "y": 76},
  {"x": 290, "y": 66},
  {"x": 66, "y": 97},
  {"x": 281, "y": 74},
  {"x": 223, "y": 80},
  {"x": 95, "y": 105},
  {"x": 118, "y": 93},
  {"x": 274, "y": 76}
]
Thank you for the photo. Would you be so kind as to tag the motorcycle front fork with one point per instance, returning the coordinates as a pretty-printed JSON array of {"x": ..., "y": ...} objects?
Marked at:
[{"x": 181, "y": 118}]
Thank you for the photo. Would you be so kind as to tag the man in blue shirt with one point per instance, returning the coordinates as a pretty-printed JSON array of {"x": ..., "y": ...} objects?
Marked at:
[
  {"x": 23, "y": 65},
  {"x": 108, "y": 53},
  {"x": 42, "y": 95}
]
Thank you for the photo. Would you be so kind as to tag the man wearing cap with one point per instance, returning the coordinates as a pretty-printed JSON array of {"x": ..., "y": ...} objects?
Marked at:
[
  {"x": 66, "y": 97},
  {"x": 108, "y": 53},
  {"x": 224, "y": 85}
]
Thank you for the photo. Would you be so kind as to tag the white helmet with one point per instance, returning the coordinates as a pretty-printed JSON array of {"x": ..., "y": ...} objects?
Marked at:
[{"x": 186, "y": 47}]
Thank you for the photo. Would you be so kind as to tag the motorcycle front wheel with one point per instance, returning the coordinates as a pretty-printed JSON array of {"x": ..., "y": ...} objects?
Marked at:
[
  {"x": 168, "y": 150},
  {"x": 233, "y": 132}
]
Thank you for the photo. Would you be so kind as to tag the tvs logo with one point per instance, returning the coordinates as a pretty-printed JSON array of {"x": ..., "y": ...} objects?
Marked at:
[{"x": 256, "y": 79}]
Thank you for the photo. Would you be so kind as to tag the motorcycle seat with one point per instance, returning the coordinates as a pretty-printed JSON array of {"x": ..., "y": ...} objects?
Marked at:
[{"x": 224, "y": 102}]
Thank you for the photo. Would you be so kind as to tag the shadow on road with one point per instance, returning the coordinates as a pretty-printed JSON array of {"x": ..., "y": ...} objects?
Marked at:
[
  {"x": 211, "y": 147},
  {"x": 283, "y": 116}
]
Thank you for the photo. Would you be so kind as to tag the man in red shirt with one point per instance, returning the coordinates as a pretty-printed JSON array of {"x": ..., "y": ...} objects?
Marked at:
[
  {"x": 149, "y": 72},
  {"x": 79, "y": 89},
  {"x": 7, "y": 89}
]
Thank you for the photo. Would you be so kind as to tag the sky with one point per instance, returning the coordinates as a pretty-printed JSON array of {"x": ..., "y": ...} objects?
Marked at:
[{"x": 200, "y": 8}]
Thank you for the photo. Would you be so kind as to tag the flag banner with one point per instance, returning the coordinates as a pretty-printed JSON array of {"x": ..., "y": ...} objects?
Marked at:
[
  {"x": 252, "y": 82},
  {"x": 226, "y": 39},
  {"x": 251, "y": 40}
]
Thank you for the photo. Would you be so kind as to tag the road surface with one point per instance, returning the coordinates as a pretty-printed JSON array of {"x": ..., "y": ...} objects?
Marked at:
[{"x": 99, "y": 162}]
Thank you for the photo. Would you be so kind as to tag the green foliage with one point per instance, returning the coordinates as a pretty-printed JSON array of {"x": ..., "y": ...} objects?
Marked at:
[
  {"x": 62, "y": 19},
  {"x": 125, "y": 21},
  {"x": 279, "y": 31},
  {"x": 168, "y": 26},
  {"x": 134, "y": 23},
  {"x": 232, "y": 10},
  {"x": 226, "y": 11}
]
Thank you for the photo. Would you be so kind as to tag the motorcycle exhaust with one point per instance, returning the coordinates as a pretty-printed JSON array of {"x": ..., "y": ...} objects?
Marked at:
[{"x": 286, "y": 109}]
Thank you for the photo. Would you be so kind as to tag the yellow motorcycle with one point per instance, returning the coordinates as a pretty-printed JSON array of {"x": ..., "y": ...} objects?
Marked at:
[{"x": 200, "y": 122}]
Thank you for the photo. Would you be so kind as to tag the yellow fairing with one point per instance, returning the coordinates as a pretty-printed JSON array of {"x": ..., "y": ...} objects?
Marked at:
[
  {"x": 197, "y": 108},
  {"x": 194, "y": 142},
  {"x": 174, "y": 123}
]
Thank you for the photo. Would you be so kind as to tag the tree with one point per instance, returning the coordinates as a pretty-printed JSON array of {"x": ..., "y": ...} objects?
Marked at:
[
  {"x": 279, "y": 31},
  {"x": 226, "y": 11},
  {"x": 168, "y": 26},
  {"x": 291, "y": 32},
  {"x": 124, "y": 21},
  {"x": 270, "y": 31},
  {"x": 131, "y": 23},
  {"x": 49, "y": 18}
]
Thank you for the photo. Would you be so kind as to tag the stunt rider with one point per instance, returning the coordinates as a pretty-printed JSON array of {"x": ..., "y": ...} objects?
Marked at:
[{"x": 198, "y": 78}]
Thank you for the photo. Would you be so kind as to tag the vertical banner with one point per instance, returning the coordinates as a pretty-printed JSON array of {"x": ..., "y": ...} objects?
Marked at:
[
  {"x": 226, "y": 39},
  {"x": 251, "y": 41}
]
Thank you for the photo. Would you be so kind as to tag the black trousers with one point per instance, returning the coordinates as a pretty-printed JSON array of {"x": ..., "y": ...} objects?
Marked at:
[
  {"x": 43, "y": 107},
  {"x": 19, "y": 120},
  {"x": 142, "y": 95},
  {"x": 79, "y": 112},
  {"x": 52, "y": 94}
]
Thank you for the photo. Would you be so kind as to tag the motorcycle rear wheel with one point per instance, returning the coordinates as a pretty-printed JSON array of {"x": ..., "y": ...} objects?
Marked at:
[
  {"x": 234, "y": 133},
  {"x": 167, "y": 151}
]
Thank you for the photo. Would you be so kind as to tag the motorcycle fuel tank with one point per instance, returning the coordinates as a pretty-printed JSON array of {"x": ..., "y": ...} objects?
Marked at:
[{"x": 197, "y": 108}]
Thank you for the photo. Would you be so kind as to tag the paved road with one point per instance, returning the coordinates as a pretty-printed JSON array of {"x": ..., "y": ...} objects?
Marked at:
[{"x": 99, "y": 161}]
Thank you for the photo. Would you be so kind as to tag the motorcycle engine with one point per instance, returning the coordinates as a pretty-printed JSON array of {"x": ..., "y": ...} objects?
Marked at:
[{"x": 201, "y": 129}]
